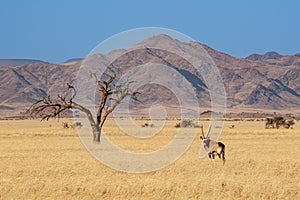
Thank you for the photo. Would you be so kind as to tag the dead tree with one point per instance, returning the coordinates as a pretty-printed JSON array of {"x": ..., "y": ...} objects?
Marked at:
[{"x": 48, "y": 107}]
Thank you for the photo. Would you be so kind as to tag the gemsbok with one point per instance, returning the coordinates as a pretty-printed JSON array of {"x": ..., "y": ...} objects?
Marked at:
[{"x": 213, "y": 147}]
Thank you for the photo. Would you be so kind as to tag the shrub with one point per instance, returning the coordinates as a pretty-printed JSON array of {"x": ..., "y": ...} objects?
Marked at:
[
  {"x": 68, "y": 125},
  {"x": 186, "y": 123}
]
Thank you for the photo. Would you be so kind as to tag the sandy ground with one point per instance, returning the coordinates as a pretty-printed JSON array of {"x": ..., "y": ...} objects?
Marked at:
[{"x": 42, "y": 160}]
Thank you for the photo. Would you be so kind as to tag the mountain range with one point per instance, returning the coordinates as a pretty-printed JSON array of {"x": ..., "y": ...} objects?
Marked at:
[{"x": 258, "y": 83}]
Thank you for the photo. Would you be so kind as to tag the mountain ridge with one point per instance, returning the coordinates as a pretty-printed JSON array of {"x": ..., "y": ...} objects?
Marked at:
[
  {"x": 266, "y": 85},
  {"x": 18, "y": 62},
  {"x": 266, "y": 56}
]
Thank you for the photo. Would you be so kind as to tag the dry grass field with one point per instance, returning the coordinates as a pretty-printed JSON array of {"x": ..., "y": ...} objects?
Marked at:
[{"x": 42, "y": 160}]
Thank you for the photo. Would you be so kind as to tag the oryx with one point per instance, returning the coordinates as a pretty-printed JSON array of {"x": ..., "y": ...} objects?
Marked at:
[{"x": 213, "y": 147}]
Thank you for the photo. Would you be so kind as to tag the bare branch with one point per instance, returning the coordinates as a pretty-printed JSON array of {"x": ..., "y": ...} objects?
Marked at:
[
  {"x": 47, "y": 108},
  {"x": 120, "y": 92},
  {"x": 106, "y": 89}
]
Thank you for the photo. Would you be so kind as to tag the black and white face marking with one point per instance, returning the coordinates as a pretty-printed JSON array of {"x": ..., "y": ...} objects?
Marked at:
[{"x": 206, "y": 142}]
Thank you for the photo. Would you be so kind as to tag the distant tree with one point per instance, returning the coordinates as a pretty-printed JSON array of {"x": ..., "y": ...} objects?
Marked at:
[
  {"x": 49, "y": 107},
  {"x": 277, "y": 122}
]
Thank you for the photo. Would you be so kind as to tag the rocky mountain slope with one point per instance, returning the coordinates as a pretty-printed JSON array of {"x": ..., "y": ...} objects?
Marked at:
[{"x": 267, "y": 83}]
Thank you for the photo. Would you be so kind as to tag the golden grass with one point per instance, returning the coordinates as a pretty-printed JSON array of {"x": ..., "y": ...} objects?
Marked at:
[{"x": 41, "y": 160}]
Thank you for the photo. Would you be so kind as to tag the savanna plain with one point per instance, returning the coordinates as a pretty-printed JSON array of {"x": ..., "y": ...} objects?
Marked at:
[{"x": 43, "y": 160}]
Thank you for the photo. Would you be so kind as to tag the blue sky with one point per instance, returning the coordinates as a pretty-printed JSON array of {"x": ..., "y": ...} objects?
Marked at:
[{"x": 56, "y": 30}]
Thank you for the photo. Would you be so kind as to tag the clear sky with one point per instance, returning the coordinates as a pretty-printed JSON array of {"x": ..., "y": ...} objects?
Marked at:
[{"x": 57, "y": 30}]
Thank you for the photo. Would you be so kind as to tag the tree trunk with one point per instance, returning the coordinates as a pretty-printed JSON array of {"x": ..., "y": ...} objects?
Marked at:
[
  {"x": 95, "y": 125},
  {"x": 96, "y": 134}
]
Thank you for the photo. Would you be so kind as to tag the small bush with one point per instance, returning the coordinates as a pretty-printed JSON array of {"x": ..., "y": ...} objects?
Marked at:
[
  {"x": 78, "y": 124},
  {"x": 69, "y": 125},
  {"x": 186, "y": 123},
  {"x": 177, "y": 125},
  {"x": 148, "y": 125},
  {"x": 65, "y": 125}
]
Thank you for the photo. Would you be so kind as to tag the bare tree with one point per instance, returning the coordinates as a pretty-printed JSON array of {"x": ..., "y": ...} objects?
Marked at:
[{"x": 48, "y": 107}]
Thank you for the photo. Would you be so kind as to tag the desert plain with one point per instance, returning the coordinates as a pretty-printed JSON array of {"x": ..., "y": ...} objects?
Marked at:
[{"x": 43, "y": 160}]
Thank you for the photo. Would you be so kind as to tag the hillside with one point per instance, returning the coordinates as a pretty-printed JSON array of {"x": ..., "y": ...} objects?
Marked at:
[{"x": 266, "y": 83}]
